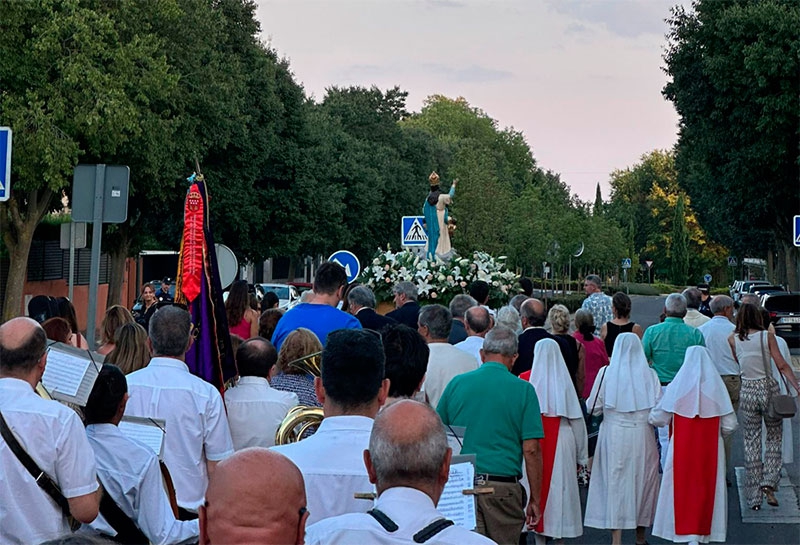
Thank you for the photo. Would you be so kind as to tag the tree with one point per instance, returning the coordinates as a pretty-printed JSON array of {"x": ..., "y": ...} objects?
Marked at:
[
  {"x": 734, "y": 69},
  {"x": 598, "y": 202},
  {"x": 679, "y": 250},
  {"x": 73, "y": 87}
]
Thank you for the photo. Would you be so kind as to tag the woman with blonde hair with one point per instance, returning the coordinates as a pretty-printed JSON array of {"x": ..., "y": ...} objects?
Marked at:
[
  {"x": 301, "y": 343},
  {"x": 130, "y": 352},
  {"x": 574, "y": 357},
  {"x": 115, "y": 317}
]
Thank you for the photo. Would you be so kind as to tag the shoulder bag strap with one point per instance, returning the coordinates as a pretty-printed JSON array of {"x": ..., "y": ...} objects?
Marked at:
[
  {"x": 42, "y": 479},
  {"x": 127, "y": 531},
  {"x": 766, "y": 365},
  {"x": 598, "y": 390}
]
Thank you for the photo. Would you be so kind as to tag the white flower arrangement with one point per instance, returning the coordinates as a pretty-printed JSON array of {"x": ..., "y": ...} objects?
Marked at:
[{"x": 439, "y": 281}]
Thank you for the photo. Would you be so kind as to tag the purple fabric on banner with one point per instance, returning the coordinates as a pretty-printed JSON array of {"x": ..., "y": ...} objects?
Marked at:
[{"x": 210, "y": 356}]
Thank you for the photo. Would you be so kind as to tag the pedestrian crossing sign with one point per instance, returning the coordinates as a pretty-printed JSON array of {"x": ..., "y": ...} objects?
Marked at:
[
  {"x": 412, "y": 233},
  {"x": 797, "y": 231}
]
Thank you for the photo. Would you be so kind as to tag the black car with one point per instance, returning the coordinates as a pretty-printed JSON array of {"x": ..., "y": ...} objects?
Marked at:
[{"x": 784, "y": 312}]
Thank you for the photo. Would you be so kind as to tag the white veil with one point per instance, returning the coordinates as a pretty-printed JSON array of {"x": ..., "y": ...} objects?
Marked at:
[
  {"x": 553, "y": 384},
  {"x": 697, "y": 389},
  {"x": 630, "y": 384}
]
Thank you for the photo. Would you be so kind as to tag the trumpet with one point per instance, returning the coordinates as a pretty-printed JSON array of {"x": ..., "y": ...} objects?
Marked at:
[{"x": 298, "y": 420}]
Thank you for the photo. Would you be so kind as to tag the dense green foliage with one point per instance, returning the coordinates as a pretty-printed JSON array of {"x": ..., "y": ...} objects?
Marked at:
[
  {"x": 165, "y": 85},
  {"x": 734, "y": 69}
]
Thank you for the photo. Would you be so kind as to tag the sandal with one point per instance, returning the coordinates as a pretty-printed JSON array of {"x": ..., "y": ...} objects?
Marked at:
[{"x": 769, "y": 492}]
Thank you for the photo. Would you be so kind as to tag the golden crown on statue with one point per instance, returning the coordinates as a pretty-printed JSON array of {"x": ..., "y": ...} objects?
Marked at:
[{"x": 434, "y": 178}]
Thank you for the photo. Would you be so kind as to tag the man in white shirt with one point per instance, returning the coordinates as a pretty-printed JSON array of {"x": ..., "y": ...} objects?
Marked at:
[
  {"x": 478, "y": 323},
  {"x": 197, "y": 430},
  {"x": 129, "y": 472},
  {"x": 409, "y": 462},
  {"x": 406, "y": 361},
  {"x": 715, "y": 333},
  {"x": 445, "y": 361},
  {"x": 255, "y": 409},
  {"x": 352, "y": 390},
  {"x": 50, "y": 433},
  {"x": 254, "y": 496},
  {"x": 694, "y": 317}
]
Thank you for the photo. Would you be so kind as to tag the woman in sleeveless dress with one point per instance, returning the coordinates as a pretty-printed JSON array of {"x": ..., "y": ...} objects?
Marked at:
[
  {"x": 242, "y": 319},
  {"x": 752, "y": 345},
  {"x": 621, "y": 307}
]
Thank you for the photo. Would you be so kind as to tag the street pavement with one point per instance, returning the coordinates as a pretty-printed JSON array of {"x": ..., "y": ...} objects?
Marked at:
[{"x": 774, "y": 526}]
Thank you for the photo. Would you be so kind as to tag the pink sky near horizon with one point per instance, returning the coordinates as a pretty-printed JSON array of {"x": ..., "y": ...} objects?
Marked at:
[{"x": 581, "y": 79}]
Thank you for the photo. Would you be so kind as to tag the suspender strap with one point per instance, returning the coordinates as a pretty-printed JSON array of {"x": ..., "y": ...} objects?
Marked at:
[
  {"x": 383, "y": 519},
  {"x": 431, "y": 530},
  {"x": 127, "y": 531},
  {"x": 42, "y": 479}
]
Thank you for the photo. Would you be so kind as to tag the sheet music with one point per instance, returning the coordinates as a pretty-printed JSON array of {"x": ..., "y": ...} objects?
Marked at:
[
  {"x": 455, "y": 505},
  {"x": 64, "y": 373},
  {"x": 145, "y": 431}
]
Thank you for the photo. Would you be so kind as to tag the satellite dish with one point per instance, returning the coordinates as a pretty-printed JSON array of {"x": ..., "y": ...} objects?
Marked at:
[
  {"x": 578, "y": 250},
  {"x": 227, "y": 263}
]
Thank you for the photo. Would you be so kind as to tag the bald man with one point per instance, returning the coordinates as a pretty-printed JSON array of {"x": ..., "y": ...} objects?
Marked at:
[
  {"x": 254, "y": 496},
  {"x": 50, "y": 433},
  {"x": 478, "y": 323},
  {"x": 408, "y": 460}
]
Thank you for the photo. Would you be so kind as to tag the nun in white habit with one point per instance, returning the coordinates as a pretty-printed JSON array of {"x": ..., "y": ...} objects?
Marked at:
[
  {"x": 564, "y": 446},
  {"x": 692, "y": 506},
  {"x": 624, "y": 486}
]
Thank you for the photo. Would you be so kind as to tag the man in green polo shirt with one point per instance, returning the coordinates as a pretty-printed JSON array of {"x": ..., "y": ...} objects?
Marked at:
[
  {"x": 665, "y": 346},
  {"x": 503, "y": 424}
]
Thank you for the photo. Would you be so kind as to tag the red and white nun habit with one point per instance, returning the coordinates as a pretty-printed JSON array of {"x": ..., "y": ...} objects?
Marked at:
[
  {"x": 692, "y": 505},
  {"x": 623, "y": 489},
  {"x": 564, "y": 445}
]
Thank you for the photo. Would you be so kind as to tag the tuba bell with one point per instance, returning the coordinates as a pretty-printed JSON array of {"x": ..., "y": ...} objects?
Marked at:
[
  {"x": 302, "y": 418},
  {"x": 299, "y": 420}
]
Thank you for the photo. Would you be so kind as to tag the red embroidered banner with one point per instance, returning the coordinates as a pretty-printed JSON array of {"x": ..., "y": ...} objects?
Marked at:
[{"x": 192, "y": 244}]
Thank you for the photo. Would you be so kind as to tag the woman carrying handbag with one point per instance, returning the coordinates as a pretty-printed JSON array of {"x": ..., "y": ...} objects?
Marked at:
[{"x": 752, "y": 346}]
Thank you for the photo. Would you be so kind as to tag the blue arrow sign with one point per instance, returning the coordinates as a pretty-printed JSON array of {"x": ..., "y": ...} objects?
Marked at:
[
  {"x": 349, "y": 261},
  {"x": 707, "y": 278},
  {"x": 411, "y": 231},
  {"x": 5, "y": 163},
  {"x": 797, "y": 230}
]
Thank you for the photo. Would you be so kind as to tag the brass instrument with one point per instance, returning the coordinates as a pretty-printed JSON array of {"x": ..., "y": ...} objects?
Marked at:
[
  {"x": 311, "y": 364},
  {"x": 299, "y": 420},
  {"x": 302, "y": 418}
]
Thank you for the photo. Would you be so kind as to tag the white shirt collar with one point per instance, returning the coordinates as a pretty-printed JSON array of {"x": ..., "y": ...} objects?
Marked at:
[
  {"x": 161, "y": 361},
  {"x": 253, "y": 380},
  {"x": 406, "y": 494}
]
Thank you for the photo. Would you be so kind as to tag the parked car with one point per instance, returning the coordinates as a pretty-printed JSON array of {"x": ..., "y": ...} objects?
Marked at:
[
  {"x": 288, "y": 295},
  {"x": 734, "y": 289},
  {"x": 760, "y": 290},
  {"x": 784, "y": 312},
  {"x": 745, "y": 288}
]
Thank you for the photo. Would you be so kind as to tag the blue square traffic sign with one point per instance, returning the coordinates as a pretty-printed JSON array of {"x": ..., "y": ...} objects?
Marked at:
[
  {"x": 5, "y": 163},
  {"x": 412, "y": 232},
  {"x": 797, "y": 231}
]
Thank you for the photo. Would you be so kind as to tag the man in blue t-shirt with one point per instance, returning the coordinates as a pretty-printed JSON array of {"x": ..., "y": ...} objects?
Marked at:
[{"x": 320, "y": 314}]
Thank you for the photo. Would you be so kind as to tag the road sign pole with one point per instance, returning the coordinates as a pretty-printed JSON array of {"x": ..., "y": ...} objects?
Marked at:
[
  {"x": 97, "y": 231},
  {"x": 72, "y": 257}
]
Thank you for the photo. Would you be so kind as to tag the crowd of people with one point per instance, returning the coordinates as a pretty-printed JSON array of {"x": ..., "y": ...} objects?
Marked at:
[{"x": 524, "y": 382}]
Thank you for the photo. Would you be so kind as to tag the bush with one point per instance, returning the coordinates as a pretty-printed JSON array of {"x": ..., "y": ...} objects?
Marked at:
[
  {"x": 572, "y": 302},
  {"x": 635, "y": 289}
]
